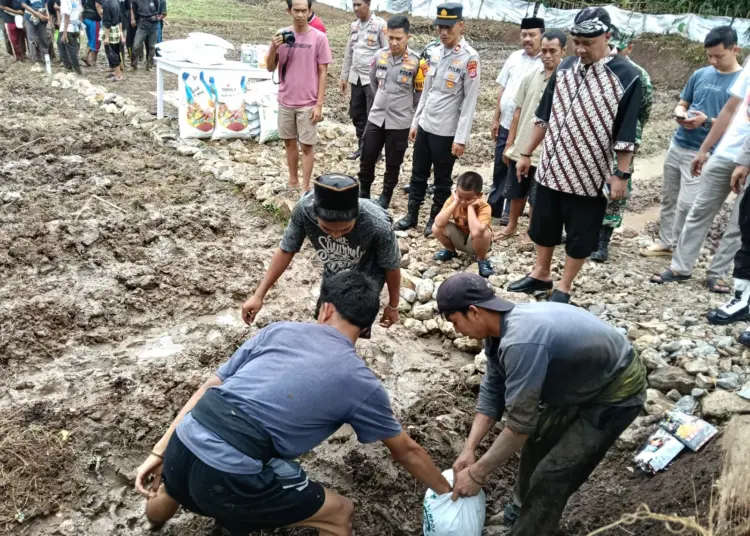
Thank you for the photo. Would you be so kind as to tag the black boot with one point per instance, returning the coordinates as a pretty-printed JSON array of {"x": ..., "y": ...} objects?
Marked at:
[
  {"x": 428, "y": 227},
  {"x": 602, "y": 254},
  {"x": 410, "y": 220},
  {"x": 364, "y": 190},
  {"x": 385, "y": 199}
]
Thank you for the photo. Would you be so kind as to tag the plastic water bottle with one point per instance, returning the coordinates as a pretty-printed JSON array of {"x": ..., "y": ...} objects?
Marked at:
[{"x": 48, "y": 63}]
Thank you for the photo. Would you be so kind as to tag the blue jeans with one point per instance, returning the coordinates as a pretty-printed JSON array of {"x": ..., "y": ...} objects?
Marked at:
[{"x": 496, "y": 199}]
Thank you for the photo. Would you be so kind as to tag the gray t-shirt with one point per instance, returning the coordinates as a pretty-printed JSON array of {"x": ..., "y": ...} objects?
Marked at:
[
  {"x": 552, "y": 353},
  {"x": 371, "y": 247},
  {"x": 302, "y": 382}
]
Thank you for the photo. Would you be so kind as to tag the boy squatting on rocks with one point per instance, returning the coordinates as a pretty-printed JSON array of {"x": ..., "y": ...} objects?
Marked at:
[{"x": 229, "y": 453}]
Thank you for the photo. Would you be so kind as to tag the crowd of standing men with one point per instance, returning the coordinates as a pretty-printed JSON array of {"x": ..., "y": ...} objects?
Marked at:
[{"x": 122, "y": 26}]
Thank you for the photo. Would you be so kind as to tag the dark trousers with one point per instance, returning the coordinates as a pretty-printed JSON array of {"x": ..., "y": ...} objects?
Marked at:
[
  {"x": 742, "y": 258},
  {"x": 69, "y": 52},
  {"x": 431, "y": 150},
  {"x": 145, "y": 34},
  {"x": 359, "y": 107},
  {"x": 559, "y": 456},
  {"x": 130, "y": 37},
  {"x": 373, "y": 140},
  {"x": 499, "y": 172},
  {"x": 113, "y": 51},
  {"x": 38, "y": 39}
]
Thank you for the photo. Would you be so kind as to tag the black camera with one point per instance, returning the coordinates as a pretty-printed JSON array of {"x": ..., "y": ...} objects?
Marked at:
[{"x": 287, "y": 37}]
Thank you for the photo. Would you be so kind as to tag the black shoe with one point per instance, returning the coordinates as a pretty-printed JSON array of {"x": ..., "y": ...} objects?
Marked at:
[
  {"x": 444, "y": 255},
  {"x": 406, "y": 188},
  {"x": 430, "y": 189},
  {"x": 381, "y": 157},
  {"x": 602, "y": 254},
  {"x": 428, "y": 227},
  {"x": 356, "y": 154},
  {"x": 485, "y": 268},
  {"x": 563, "y": 238},
  {"x": 558, "y": 296},
  {"x": 736, "y": 310},
  {"x": 384, "y": 200},
  {"x": 744, "y": 338},
  {"x": 364, "y": 191},
  {"x": 409, "y": 221},
  {"x": 504, "y": 219},
  {"x": 529, "y": 284}
]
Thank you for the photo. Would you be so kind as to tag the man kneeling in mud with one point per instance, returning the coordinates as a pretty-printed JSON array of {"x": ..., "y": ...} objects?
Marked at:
[{"x": 229, "y": 453}]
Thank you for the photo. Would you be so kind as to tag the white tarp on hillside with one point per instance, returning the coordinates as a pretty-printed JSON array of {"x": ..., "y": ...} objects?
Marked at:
[{"x": 693, "y": 27}]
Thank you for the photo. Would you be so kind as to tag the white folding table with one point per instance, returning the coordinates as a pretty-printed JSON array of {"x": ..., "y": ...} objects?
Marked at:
[{"x": 175, "y": 67}]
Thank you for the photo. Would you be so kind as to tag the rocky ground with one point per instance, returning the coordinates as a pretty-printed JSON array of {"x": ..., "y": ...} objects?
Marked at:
[{"x": 126, "y": 254}]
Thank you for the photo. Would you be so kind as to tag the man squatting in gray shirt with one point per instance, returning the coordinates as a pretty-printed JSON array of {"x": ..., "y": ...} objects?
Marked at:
[
  {"x": 229, "y": 454},
  {"x": 569, "y": 384}
]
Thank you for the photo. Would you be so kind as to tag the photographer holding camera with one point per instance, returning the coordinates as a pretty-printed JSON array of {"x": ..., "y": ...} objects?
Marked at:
[{"x": 302, "y": 55}]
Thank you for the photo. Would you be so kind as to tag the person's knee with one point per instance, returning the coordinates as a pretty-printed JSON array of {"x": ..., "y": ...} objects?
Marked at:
[
  {"x": 481, "y": 236},
  {"x": 438, "y": 231},
  {"x": 306, "y": 149},
  {"x": 344, "y": 513}
]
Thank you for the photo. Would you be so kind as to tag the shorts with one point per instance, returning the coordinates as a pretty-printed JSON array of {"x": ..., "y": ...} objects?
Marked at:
[
  {"x": 240, "y": 503},
  {"x": 296, "y": 124},
  {"x": 580, "y": 215},
  {"x": 513, "y": 188},
  {"x": 92, "y": 33},
  {"x": 461, "y": 241},
  {"x": 532, "y": 193}
]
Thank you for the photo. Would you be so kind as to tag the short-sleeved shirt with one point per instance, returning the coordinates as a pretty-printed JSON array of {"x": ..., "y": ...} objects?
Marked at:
[
  {"x": 706, "y": 91},
  {"x": 112, "y": 17},
  {"x": 461, "y": 215},
  {"x": 394, "y": 80},
  {"x": 316, "y": 23},
  {"x": 36, "y": 5},
  {"x": 517, "y": 67},
  {"x": 527, "y": 99},
  {"x": 72, "y": 8},
  {"x": 299, "y": 87},
  {"x": 371, "y": 246},
  {"x": 731, "y": 143},
  {"x": 301, "y": 382},
  {"x": 8, "y": 18},
  {"x": 365, "y": 39},
  {"x": 147, "y": 9},
  {"x": 551, "y": 353}
]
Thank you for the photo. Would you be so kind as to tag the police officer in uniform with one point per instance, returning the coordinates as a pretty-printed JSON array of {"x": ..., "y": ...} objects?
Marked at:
[
  {"x": 393, "y": 77},
  {"x": 367, "y": 35},
  {"x": 442, "y": 123}
]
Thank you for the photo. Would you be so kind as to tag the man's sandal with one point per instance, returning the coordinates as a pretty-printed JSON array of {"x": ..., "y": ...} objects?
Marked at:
[
  {"x": 717, "y": 285},
  {"x": 668, "y": 276}
]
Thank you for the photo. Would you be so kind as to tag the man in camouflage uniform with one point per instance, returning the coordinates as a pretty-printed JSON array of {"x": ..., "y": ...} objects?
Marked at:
[{"x": 622, "y": 43}]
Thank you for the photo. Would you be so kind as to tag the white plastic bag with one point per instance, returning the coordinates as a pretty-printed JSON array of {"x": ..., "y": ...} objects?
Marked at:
[
  {"x": 231, "y": 117},
  {"x": 197, "y": 105},
  {"x": 443, "y": 517}
]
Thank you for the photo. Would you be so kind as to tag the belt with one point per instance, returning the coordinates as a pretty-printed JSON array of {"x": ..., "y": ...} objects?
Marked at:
[{"x": 231, "y": 424}]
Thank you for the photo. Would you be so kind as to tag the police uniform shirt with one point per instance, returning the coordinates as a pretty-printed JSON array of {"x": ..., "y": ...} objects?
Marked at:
[
  {"x": 393, "y": 79},
  {"x": 451, "y": 89},
  {"x": 365, "y": 39}
]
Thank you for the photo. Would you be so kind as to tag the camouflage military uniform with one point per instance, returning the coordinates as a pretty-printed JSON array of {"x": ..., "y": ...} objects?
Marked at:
[{"x": 615, "y": 209}]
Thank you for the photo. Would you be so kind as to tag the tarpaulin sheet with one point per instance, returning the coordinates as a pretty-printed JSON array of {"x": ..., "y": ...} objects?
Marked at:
[{"x": 693, "y": 27}]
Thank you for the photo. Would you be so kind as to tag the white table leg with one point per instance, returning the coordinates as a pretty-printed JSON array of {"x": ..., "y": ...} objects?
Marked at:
[{"x": 159, "y": 92}]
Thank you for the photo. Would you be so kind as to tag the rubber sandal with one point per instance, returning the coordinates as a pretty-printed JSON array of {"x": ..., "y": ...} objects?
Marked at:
[
  {"x": 715, "y": 284},
  {"x": 668, "y": 276},
  {"x": 501, "y": 236}
]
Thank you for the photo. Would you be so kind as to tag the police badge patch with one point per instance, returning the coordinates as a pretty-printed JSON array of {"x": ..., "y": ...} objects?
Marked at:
[{"x": 472, "y": 67}]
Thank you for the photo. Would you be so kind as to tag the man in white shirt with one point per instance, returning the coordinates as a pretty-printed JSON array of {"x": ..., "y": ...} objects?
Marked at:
[
  {"x": 519, "y": 65},
  {"x": 68, "y": 43},
  {"x": 732, "y": 127}
]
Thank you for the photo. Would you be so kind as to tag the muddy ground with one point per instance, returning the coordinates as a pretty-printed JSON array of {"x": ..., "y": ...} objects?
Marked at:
[{"x": 123, "y": 269}]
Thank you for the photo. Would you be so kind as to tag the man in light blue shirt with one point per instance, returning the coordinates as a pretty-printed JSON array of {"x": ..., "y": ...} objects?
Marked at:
[{"x": 704, "y": 96}]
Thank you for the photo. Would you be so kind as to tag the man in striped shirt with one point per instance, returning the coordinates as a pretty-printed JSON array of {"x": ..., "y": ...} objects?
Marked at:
[{"x": 589, "y": 109}]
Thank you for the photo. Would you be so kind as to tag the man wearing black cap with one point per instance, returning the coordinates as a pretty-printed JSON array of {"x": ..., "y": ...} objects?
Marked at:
[
  {"x": 348, "y": 233},
  {"x": 566, "y": 398},
  {"x": 442, "y": 122},
  {"x": 589, "y": 111},
  {"x": 517, "y": 67}
]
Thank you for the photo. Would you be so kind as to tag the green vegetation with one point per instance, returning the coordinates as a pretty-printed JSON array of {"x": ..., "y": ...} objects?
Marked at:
[{"x": 225, "y": 10}]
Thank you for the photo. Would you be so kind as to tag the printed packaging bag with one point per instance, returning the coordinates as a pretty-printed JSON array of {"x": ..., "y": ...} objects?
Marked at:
[
  {"x": 197, "y": 106},
  {"x": 231, "y": 116},
  {"x": 443, "y": 517}
]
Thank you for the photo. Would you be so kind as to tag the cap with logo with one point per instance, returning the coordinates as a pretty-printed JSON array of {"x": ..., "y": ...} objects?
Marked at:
[
  {"x": 622, "y": 38},
  {"x": 460, "y": 291},
  {"x": 449, "y": 14}
]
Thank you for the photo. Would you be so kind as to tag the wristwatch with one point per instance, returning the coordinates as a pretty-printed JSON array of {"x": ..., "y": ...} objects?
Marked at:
[
  {"x": 623, "y": 175},
  {"x": 708, "y": 122}
]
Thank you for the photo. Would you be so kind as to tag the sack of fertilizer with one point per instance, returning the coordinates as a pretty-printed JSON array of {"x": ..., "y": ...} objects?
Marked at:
[
  {"x": 231, "y": 117},
  {"x": 197, "y": 105},
  {"x": 443, "y": 517},
  {"x": 269, "y": 120}
]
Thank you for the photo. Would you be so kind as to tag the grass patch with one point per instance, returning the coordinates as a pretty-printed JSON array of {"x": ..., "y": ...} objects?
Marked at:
[{"x": 224, "y": 10}]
